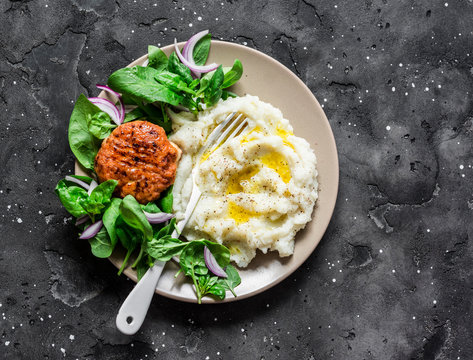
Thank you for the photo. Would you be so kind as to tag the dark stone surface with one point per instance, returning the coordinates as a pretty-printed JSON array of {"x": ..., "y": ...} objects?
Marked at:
[{"x": 396, "y": 81}]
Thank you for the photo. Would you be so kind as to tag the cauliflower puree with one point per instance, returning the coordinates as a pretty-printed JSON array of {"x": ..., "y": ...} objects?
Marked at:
[{"x": 258, "y": 189}]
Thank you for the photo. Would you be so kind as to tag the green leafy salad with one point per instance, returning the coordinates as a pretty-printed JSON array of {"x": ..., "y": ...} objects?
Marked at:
[{"x": 181, "y": 82}]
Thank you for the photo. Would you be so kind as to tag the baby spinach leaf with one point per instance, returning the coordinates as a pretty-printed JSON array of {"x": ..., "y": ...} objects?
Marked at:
[
  {"x": 226, "y": 94},
  {"x": 231, "y": 281},
  {"x": 129, "y": 238},
  {"x": 232, "y": 76},
  {"x": 110, "y": 217},
  {"x": 100, "y": 197},
  {"x": 176, "y": 67},
  {"x": 173, "y": 81},
  {"x": 157, "y": 58},
  {"x": 217, "y": 290},
  {"x": 165, "y": 230},
  {"x": 201, "y": 50},
  {"x": 213, "y": 92},
  {"x": 132, "y": 214},
  {"x": 101, "y": 244},
  {"x": 165, "y": 200},
  {"x": 134, "y": 114},
  {"x": 139, "y": 82},
  {"x": 164, "y": 248},
  {"x": 83, "y": 144},
  {"x": 142, "y": 267},
  {"x": 99, "y": 125},
  {"x": 151, "y": 207},
  {"x": 72, "y": 198}
]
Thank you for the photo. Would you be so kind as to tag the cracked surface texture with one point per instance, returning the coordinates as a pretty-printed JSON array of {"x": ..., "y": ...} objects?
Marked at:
[{"x": 392, "y": 277}]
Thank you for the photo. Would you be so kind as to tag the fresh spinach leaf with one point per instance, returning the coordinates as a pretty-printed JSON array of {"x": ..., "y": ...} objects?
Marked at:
[
  {"x": 142, "y": 267},
  {"x": 157, "y": 58},
  {"x": 213, "y": 92},
  {"x": 99, "y": 125},
  {"x": 110, "y": 217},
  {"x": 101, "y": 244},
  {"x": 201, "y": 50},
  {"x": 233, "y": 75},
  {"x": 129, "y": 238},
  {"x": 165, "y": 230},
  {"x": 174, "y": 82},
  {"x": 231, "y": 281},
  {"x": 151, "y": 207},
  {"x": 72, "y": 197},
  {"x": 164, "y": 248},
  {"x": 176, "y": 67},
  {"x": 134, "y": 114},
  {"x": 100, "y": 197},
  {"x": 226, "y": 94},
  {"x": 132, "y": 214},
  {"x": 165, "y": 200},
  {"x": 83, "y": 144},
  {"x": 139, "y": 82}
]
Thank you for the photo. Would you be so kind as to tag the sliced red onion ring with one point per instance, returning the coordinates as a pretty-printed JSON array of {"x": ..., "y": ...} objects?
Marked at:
[
  {"x": 108, "y": 107},
  {"x": 93, "y": 185},
  {"x": 91, "y": 230},
  {"x": 212, "y": 263},
  {"x": 193, "y": 67},
  {"x": 188, "y": 49},
  {"x": 158, "y": 218},
  {"x": 82, "y": 220},
  {"x": 78, "y": 182},
  {"x": 121, "y": 110}
]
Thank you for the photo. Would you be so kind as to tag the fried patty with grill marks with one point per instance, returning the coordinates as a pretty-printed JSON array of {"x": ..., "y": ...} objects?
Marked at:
[{"x": 141, "y": 158}]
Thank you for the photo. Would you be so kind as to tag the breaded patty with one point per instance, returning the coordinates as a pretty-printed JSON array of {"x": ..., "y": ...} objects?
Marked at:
[{"x": 141, "y": 158}]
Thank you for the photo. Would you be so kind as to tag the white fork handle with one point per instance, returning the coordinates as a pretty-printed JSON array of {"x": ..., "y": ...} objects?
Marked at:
[{"x": 135, "y": 307}]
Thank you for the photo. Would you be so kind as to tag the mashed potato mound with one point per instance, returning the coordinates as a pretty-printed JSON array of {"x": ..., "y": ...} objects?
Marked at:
[{"x": 258, "y": 189}]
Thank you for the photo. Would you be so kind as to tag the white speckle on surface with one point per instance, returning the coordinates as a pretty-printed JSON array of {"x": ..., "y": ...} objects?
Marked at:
[
  {"x": 380, "y": 251},
  {"x": 413, "y": 318},
  {"x": 446, "y": 4},
  {"x": 393, "y": 271},
  {"x": 19, "y": 221},
  {"x": 334, "y": 280},
  {"x": 418, "y": 271},
  {"x": 434, "y": 302},
  {"x": 71, "y": 337},
  {"x": 461, "y": 167},
  {"x": 63, "y": 351},
  {"x": 7, "y": 343},
  {"x": 428, "y": 230},
  {"x": 388, "y": 127},
  {"x": 400, "y": 65},
  {"x": 426, "y": 88},
  {"x": 393, "y": 88}
]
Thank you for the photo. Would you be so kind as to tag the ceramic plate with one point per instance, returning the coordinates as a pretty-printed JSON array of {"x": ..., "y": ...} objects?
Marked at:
[{"x": 272, "y": 82}]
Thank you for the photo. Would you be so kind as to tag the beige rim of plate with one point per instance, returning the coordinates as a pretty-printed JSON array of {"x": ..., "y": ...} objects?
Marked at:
[{"x": 272, "y": 82}]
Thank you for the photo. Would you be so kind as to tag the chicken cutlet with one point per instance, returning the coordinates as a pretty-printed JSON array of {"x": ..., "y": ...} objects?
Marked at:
[{"x": 140, "y": 157}]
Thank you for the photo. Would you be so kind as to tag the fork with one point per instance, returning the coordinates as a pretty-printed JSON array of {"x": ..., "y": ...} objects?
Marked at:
[{"x": 133, "y": 311}]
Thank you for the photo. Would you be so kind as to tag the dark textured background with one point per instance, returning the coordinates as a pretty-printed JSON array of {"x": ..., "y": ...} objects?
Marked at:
[{"x": 396, "y": 82}]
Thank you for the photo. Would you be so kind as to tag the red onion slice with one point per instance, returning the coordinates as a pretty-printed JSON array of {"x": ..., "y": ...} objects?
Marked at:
[
  {"x": 212, "y": 263},
  {"x": 93, "y": 185},
  {"x": 82, "y": 220},
  {"x": 78, "y": 182},
  {"x": 91, "y": 230},
  {"x": 188, "y": 49},
  {"x": 121, "y": 110},
  {"x": 193, "y": 67},
  {"x": 108, "y": 107},
  {"x": 158, "y": 218}
]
